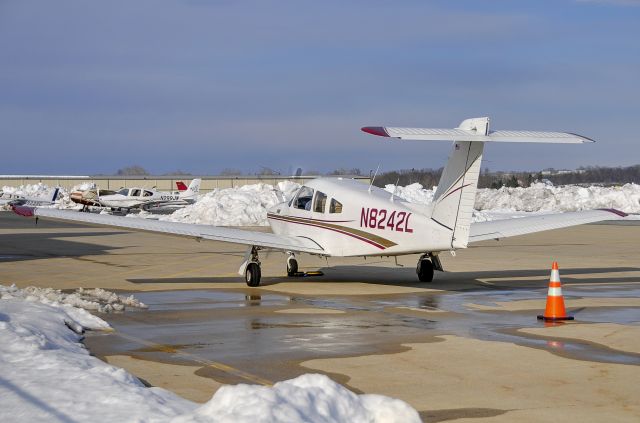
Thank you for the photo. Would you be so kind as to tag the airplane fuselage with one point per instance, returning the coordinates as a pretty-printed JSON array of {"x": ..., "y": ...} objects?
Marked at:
[{"x": 349, "y": 218}]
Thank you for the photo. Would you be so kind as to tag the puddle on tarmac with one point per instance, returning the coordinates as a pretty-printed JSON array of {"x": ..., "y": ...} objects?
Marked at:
[
  {"x": 203, "y": 299},
  {"x": 235, "y": 327}
]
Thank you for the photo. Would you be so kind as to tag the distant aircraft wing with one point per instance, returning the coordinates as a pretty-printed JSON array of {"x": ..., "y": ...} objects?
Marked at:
[
  {"x": 216, "y": 233},
  {"x": 505, "y": 228}
]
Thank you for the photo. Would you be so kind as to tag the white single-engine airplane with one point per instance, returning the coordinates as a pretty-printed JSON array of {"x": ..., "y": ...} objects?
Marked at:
[
  {"x": 342, "y": 217},
  {"x": 143, "y": 198}
]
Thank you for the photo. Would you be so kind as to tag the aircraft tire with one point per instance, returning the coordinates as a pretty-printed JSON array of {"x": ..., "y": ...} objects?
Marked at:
[
  {"x": 252, "y": 274},
  {"x": 292, "y": 267},
  {"x": 425, "y": 270}
]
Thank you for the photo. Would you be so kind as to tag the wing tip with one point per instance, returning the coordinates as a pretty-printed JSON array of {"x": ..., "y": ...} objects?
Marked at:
[
  {"x": 375, "y": 130},
  {"x": 615, "y": 211},
  {"x": 585, "y": 140},
  {"x": 25, "y": 211}
]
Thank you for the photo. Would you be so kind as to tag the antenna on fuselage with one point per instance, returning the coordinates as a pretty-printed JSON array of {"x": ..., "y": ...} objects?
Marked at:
[
  {"x": 374, "y": 177},
  {"x": 395, "y": 187}
]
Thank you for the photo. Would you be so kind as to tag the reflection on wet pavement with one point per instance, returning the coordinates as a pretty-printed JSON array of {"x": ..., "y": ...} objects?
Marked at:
[{"x": 242, "y": 329}]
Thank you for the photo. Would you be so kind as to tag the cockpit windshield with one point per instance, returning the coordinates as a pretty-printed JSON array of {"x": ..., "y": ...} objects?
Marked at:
[
  {"x": 303, "y": 199},
  {"x": 123, "y": 191}
]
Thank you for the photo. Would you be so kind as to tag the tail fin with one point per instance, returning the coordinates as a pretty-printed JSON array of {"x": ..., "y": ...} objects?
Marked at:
[
  {"x": 192, "y": 191},
  {"x": 54, "y": 197},
  {"x": 454, "y": 199},
  {"x": 456, "y": 193},
  {"x": 181, "y": 186}
]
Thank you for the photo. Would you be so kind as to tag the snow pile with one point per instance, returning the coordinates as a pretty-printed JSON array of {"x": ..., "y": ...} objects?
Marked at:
[
  {"x": 541, "y": 197},
  {"x": 47, "y": 374},
  {"x": 242, "y": 206},
  {"x": 96, "y": 299},
  {"x": 38, "y": 190},
  {"x": 307, "y": 398},
  {"x": 413, "y": 193}
]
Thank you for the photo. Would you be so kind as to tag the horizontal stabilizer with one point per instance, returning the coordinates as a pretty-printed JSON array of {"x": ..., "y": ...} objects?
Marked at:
[
  {"x": 476, "y": 129},
  {"x": 497, "y": 229}
]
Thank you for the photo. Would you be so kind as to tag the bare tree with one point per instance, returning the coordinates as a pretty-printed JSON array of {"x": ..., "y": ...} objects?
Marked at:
[
  {"x": 134, "y": 170},
  {"x": 230, "y": 172}
]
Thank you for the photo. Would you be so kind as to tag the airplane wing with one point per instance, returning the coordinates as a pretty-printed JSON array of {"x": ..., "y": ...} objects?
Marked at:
[
  {"x": 497, "y": 229},
  {"x": 216, "y": 233}
]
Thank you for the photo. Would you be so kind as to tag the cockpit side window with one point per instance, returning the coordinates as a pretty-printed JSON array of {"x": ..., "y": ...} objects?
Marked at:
[
  {"x": 320, "y": 202},
  {"x": 303, "y": 199},
  {"x": 335, "y": 206},
  {"x": 123, "y": 191},
  {"x": 135, "y": 192}
]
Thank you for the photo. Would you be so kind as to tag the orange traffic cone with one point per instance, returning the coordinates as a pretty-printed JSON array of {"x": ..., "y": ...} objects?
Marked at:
[{"x": 555, "y": 301}]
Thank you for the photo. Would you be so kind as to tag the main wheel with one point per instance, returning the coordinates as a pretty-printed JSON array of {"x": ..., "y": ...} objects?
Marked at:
[
  {"x": 252, "y": 274},
  {"x": 292, "y": 267},
  {"x": 425, "y": 270}
]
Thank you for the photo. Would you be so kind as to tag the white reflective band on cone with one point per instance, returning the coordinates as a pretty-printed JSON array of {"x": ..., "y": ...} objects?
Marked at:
[
  {"x": 555, "y": 275},
  {"x": 555, "y": 292}
]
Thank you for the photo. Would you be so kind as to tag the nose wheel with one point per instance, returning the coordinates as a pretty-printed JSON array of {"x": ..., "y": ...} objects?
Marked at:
[
  {"x": 252, "y": 272},
  {"x": 292, "y": 265}
]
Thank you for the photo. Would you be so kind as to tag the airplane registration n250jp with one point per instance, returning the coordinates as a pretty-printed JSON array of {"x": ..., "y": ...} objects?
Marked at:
[{"x": 342, "y": 217}]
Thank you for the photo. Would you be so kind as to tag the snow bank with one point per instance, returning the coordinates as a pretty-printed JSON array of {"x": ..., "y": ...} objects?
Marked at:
[
  {"x": 242, "y": 206},
  {"x": 96, "y": 299},
  {"x": 307, "y": 398},
  {"x": 538, "y": 197},
  {"x": 541, "y": 197},
  {"x": 46, "y": 374}
]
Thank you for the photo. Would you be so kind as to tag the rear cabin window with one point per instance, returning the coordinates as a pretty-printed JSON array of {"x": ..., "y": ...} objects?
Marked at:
[
  {"x": 335, "y": 206},
  {"x": 303, "y": 199},
  {"x": 148, "y": 194},
  {"x": 321, "y": 201}
]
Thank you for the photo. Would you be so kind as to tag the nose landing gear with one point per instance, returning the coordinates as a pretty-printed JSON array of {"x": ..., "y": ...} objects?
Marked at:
[
  {"x": 251, "y": 267},
  {"x": 292, "y": 265}
]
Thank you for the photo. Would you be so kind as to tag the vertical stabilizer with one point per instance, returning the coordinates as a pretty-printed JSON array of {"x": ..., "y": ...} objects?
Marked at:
[
  {"x": 192, "y": 191},
  {"x": 454, "y": 199}
]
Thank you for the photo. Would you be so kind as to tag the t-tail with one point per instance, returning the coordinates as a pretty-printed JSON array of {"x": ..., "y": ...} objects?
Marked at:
[
  {"x": 191, "y": 193},
  {"x": 454, "y": 199}
]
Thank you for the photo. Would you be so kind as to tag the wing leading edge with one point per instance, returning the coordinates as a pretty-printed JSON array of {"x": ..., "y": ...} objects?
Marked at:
[
  {"x": 497, "y": 229},
  {"x": 216, "y": 233}
]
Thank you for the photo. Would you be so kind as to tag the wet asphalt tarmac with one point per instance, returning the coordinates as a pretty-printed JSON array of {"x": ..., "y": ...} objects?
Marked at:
[{"x": 246, "y": 330}]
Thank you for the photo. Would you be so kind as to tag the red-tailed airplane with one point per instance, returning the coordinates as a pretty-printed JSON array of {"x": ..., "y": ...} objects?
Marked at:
[{"x": 343, "y": 217}]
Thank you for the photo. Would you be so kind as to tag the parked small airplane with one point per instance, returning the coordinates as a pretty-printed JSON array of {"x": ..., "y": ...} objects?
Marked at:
[
  {"x": 21, "y": 200},
  {"x": 143, "y": 198},
  {"x": 91, "y": 196},
  {"x": 343, "y": 217}
]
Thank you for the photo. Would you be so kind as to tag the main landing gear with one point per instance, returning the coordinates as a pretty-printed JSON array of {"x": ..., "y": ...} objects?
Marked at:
[
  {"x": 426, "y": 265},
  {"x": 250, "y": 267},
  {"x": 292, "y": 265}
]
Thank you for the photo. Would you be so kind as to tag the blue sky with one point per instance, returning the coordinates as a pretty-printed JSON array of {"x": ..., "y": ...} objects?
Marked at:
[{"x": 90, "y": 87}]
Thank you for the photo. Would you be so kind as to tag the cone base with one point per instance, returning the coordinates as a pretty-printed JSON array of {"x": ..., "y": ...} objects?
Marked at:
[{"x": 553, "y": 319}]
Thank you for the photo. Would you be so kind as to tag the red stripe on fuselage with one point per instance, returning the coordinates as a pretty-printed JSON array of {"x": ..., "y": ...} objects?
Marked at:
[{"x": 368, "y": 241}]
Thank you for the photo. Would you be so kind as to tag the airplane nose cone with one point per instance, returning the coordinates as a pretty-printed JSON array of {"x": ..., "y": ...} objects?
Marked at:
[{"x": 277, "y": 209}]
